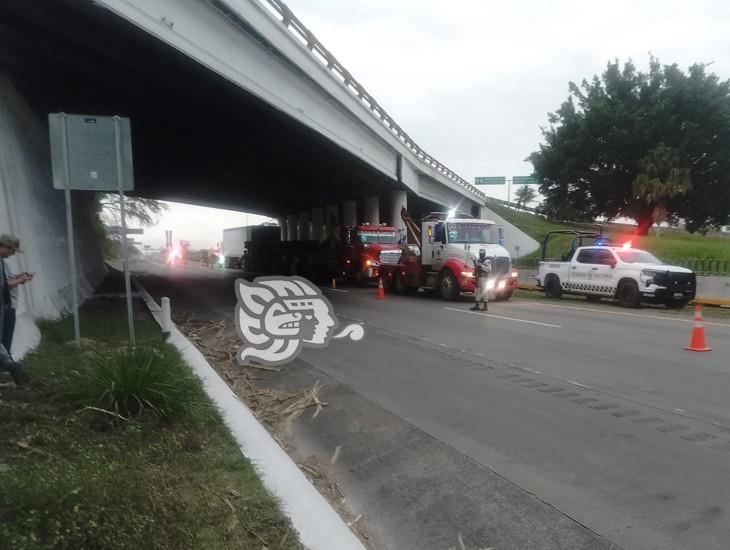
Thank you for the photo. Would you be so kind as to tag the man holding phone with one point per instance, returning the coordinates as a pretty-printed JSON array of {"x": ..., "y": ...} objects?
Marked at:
[{"x": 9, "y": 245}]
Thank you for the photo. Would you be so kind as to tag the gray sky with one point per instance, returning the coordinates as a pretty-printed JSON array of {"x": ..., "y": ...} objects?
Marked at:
[{"x": 472, "y": 81}]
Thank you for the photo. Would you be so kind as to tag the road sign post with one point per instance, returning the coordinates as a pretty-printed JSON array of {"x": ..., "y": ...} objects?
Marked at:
[
  {"x": 125, "y": 248},
  {"x": 70, "y": 230}
]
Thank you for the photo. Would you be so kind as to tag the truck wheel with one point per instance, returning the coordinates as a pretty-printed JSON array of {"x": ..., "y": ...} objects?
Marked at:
[
  {"x": 594, "y": 298},
  {"x": 448, "y": 286},
  {"x": 628, "y": 294},
  {"x": 552, "y": 287}
]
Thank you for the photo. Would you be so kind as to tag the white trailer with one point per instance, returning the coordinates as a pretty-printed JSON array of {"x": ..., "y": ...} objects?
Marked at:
[{"x": 234, "y": 241}]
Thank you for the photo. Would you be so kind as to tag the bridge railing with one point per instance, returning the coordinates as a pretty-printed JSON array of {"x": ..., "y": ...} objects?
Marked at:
[{"x": 305, "y": 37}]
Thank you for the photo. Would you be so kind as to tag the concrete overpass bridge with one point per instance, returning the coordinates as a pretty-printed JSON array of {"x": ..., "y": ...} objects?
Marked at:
[{"x": 234, "y": 103}]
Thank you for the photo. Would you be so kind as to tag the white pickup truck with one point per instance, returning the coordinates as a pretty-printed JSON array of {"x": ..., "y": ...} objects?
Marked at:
[{"x": 628, "y": 274}]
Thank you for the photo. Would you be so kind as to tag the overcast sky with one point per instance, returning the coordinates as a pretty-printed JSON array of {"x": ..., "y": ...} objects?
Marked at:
[{"x": 472, "y": 81}]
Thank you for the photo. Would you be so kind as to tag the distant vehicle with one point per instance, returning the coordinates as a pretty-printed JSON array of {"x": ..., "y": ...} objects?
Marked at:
[
  {"x": 443, "y": 255},
  {"x": 236, "y": 239},
  {"x": 604, "y": 270}
]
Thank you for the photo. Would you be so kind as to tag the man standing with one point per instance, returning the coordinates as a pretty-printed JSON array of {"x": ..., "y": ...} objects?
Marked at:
[
  {"x": 482, "y": 269},
  {"x": 9, "y": 245}
]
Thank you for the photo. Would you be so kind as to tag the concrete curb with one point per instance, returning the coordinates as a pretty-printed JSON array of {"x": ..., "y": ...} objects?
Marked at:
[{"x": 319, "y": 526}]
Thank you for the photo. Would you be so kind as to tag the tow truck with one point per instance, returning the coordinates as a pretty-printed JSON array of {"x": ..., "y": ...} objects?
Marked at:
[
  {"x": 365, "y": 245},
  {"x": 605, "y": 270},
  {"x": 441, "y": 257}
]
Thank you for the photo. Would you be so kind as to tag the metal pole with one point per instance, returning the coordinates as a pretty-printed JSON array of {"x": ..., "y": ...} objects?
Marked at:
[
  {"x": 125, "y": 255},
  {"x": 70, "y": 232}
]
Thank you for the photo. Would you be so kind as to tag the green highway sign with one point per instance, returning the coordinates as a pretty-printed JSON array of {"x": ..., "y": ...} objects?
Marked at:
[
  {"x": 523, "y": 180},
  {"x": 491, "y": 180}
]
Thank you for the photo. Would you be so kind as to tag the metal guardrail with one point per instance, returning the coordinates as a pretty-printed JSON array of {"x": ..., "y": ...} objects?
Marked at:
[
  {"x": 280, "y": 11},
  {"x": 700, "y": 266}
]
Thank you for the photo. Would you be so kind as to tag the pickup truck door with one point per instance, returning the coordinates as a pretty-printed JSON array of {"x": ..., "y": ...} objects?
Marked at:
[
  {"x": 603, "y": 271},
  {"x": 592, "y": 271}
]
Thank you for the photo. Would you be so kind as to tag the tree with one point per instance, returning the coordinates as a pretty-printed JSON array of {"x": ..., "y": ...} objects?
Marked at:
[
  {"x": 524, "y": 195},
  {"x": 648, "y": 146},
  {"x": 137, "y": 210}
]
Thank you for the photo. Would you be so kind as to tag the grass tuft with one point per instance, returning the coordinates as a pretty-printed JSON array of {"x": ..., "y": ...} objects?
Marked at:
[{"x": 133, "y": 381}]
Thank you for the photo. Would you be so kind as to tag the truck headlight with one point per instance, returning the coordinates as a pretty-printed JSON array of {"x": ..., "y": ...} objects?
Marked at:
[
  {"x": 501, "y": 285},
  {"x": 469, "y": 274},
  {"x": 371, "y": 263},
  {"x": 647, "y": 275},
  {"x": 514, "y": 275},
  {"x": 490, "y": 284}
]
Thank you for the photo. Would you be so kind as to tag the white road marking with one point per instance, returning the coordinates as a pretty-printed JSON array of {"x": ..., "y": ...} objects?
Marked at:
[
  {"x": 505, "y": 318},
  {"x": 533, "y": 371},
  {"x": 526, "y": 302},
  {"x": 579, "y": 384},
  {"x": 333, "y": 289},
  {"x": 680, "y": 410}
]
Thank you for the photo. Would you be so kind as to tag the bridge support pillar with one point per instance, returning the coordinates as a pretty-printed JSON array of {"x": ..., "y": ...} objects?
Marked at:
[
  {"x": 282, "y": 226},
  {"x": 317, "y": 224},
  {"x": 349, "y": 213},
  {"x": 372, "y": 210},
  {"x": 292, "y": 234},
  {"x": 331, "y": 218},
  {"x": 304, "y": 227},
  {"x": 398, "y": 200}
]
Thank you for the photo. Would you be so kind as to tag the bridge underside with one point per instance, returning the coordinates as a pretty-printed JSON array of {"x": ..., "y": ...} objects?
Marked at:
[{"x": 197, "y": 137}]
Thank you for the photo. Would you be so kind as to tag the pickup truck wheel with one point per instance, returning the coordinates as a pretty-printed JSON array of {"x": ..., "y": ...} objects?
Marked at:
[
  {"x": 594, "y": 298},
  {"x": 628, "y": 294},
  {"x": 448, "y": 286},
  {"x": 552, "y": 287}
]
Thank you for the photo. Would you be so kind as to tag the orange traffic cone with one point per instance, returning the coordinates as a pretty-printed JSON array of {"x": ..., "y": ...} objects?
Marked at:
[
  {"x": 380, "y": 295},
  {"x": 334, "y": 283},
  {"x": 697, "y": 342}
]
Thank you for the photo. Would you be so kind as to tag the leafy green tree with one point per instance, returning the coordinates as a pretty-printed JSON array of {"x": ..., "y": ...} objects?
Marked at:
[
  {"x": 137, "y": 210},
  {"x": 524, "y": 195},
  {"x": 648, "y": 146}
]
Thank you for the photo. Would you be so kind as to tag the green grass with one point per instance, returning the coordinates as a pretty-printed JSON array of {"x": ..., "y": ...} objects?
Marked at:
[
  {"x": 669, "y": 245},
  {"x": 74, "y": 477}
]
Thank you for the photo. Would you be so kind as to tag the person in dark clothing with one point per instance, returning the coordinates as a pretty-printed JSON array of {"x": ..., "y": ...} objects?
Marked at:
[{"x": 9, "y": 245}]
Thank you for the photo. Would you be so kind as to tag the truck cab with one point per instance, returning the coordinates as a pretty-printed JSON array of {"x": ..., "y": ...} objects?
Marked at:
[
  {"x": 366, "y": 246},
  {"x": 444, "y": 254},
  {"x": 450, "y": 247}
]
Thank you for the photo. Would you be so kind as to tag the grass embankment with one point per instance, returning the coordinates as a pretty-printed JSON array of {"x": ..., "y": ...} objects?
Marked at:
[
  {"x": 667, "y": 244},
  {"x": 158, "y": 469}
]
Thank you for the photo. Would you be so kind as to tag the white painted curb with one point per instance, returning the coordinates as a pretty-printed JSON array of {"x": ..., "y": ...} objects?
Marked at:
[{"x": 319, "y": 526}]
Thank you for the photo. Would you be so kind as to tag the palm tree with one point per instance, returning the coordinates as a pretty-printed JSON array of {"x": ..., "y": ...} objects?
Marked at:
[
  {"x": 661, "y": 179},
  {"x": 524, "y": 195}
]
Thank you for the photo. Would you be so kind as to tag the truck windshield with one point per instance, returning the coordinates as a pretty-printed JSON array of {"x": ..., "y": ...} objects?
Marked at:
[
  {"x": 470, "y": 233},
  {"x": 378, "y": 237},
  {"x": 637, "y": 257}
]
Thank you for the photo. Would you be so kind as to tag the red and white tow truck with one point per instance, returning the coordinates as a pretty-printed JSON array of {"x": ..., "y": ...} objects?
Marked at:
[
  {"x": 442, "y": 257},
  {"x": 364, "y": 248}
]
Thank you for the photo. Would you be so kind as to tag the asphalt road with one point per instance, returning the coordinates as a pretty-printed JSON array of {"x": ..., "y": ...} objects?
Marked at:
[{"x": 598, "y": 411}]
